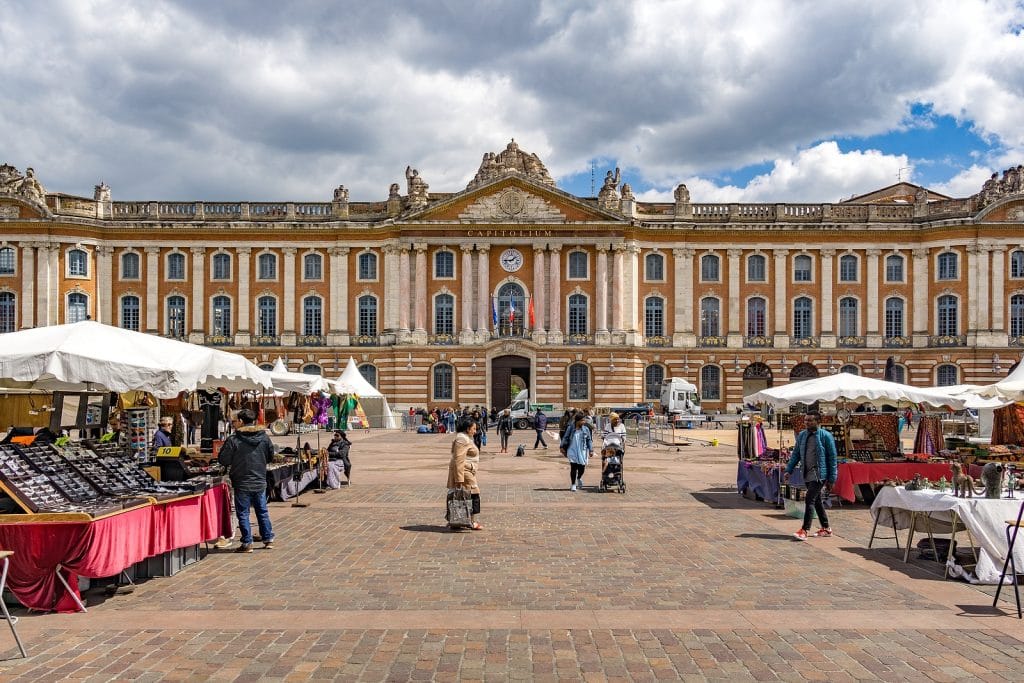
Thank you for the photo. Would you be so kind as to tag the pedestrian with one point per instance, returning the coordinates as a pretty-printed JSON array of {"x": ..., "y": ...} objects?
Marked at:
[
  {"x": 540, "y": 424},
  {"x": 338, "y": 449},
  {"x": 564, "y": 423},
  {"x": 478, "y": 434},
  {"x": 614, "y": 433},
  {"x": 162, "y": 438},
  {"x": 245, "y": 455},
  {"x": 463, "y": 466},
  {"x": 815, "y": 452},
  {"x": 505, "y": 428},
  {"x": 579, "y": 446}
]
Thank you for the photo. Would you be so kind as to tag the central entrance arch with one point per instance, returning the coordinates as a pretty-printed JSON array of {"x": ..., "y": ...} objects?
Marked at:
[{"x": 510, "y": 374}]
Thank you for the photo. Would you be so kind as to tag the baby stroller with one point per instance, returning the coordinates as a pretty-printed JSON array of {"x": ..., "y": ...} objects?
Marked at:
[{"x": 611, "y": 465}]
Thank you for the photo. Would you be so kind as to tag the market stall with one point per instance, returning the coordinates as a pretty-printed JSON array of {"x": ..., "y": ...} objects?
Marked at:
[{"x": 353, "y": 386}]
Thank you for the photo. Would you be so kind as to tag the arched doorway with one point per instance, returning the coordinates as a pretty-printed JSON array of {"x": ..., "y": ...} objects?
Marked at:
[
  {"x": 756, "y": 377},
  {"x": 509, "y": 376},
  {"x": 511, "y": 310},
  {"x": 802, "y": 371}
]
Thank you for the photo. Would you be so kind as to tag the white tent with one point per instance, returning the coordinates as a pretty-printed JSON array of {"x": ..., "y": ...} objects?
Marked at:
[
  {"x": 374, "y": 403},
  {"x": 1010, "y": 387},
  {"x": 90, "y": 355},
  {"x": 853, "y": 388},
  {"x": 286, "y": 381},
  {"x": 972, "y": 399}
]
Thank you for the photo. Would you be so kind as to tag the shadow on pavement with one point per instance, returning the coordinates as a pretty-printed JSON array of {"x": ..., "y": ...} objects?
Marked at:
[
  {"x": 770, "y": 537},
  {"x": 428, "y": 528}
]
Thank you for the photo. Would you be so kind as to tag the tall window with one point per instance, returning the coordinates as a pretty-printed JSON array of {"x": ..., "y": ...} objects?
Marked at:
[
  {"x": 312, "y": 316},
  {"x": 654, "y": 317},
  {"x": 1016, "y": 264},
  {"x": 1017, "y": 315},
  {"x": 78, "y": 263},
  {"x": 709, "y": 314},
  {"x": 369, "y": 373},
  {"x": 579, "y": 382},
  {"x": 444, "y": 265},
  {"x": 757, "y": 270},
  {"x": 948, "y": 266},
  {"x": 803, "y": 307},
  {"x": 175, "y": 266},
  {"x": 267, "y": 307},
  {"x": 176, "y": 316},
  {"x": 848, "y": 268},
  {"x": 577, "y": 314},
  {"x": 653, "y": 377},
  {"x": 444, "y": 313},
  {"x": 443, "y": 382},
  {"x": 130, "y": 313},
  {"x": 893, "y": 317},
  {"x": 802, "y": 268},
  {"x": 367, "y": 266},
  {"x": 848, "y": 317},
  {"x": 511, "y": 310},
  {"x": 948, "y": 316},
  {"x": 222, "y": 266},
  {"x": 130, "y": 266},
  {"x": 8, "y": 312},
  {"x": 221, "y": 316},
  {"x": 894, "y": 268},
  {"x": 267, "y": 267},
  {"x": 947, "y": 375},
  {"x": 7, "y": 261},
  {"x": 711, "y": 383},
  {"x": 654, "y": 267},
  {"x": 898, "y": 374},
  {"x": 577, "y": 265},
  {"x": 78, "y": 307},
  {"x": 367, "y": 306},
  {"x": 312, "y": 267},
  {"x": 709, "y": 271},
  {"x": 757, "y": 316}
]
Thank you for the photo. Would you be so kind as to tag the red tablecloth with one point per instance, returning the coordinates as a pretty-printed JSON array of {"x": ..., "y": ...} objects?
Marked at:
[
  {"x": 853, "y": 473},
  {"x": 105, "y": 546}
]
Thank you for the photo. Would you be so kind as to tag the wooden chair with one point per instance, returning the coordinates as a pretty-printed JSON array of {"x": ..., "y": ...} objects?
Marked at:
[{"x": 5, "y": 557}]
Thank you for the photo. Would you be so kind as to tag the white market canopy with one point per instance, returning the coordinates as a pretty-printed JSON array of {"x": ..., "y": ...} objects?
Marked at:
[
  {"x": 853, "y": 388},
  {"x": 353, "y": 382},
  {"x": 972, "y": 399},
  {"x": 287, "y": 382},
  {"x": 1011, "y": 387},
  {"x": 90, "y": 355}
]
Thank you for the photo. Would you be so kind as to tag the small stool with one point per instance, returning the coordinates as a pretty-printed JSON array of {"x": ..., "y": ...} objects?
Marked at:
[
  {"x": 1009, "y": 562},
  {"x": 5, "y": 556}
]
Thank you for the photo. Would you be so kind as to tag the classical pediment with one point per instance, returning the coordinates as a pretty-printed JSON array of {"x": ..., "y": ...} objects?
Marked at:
[
  {"x": 1010, "y": 210},
  {"x": 15, "y": 208}
]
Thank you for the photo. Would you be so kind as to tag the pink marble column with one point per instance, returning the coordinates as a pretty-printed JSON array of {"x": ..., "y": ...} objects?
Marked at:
[
  {"x": 601, "y": 289},
  {"x": 403, "y": 289},
  {"x": 467, "y": 288},
  {"x": 538, "y": 290},
  {"x": 555, "y": 305},
  {"x": 618, "y": 283},
  {"x": 483, "y": 288},
  {"x": 421, "y": 288}
]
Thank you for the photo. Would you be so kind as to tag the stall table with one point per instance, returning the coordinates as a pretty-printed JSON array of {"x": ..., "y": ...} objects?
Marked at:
[
  {"x": 760, "y": 479},
  {"x": 853, "y": 473}
]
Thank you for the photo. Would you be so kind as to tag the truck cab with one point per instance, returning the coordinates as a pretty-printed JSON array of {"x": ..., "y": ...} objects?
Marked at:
[
  {"x": 680, "y": 400},
  {"x": 523, "y": 410}
]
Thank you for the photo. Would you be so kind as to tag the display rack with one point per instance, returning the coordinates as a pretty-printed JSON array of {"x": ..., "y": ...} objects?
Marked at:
[{"x": 138, "y": 428}]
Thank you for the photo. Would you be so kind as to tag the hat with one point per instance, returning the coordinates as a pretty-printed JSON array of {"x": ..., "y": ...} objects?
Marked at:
[{"x": 613, "y": 416}]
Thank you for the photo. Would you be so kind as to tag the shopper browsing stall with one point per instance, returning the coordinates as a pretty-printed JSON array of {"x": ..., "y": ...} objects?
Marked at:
[
  {"x": 815, "y": 453},
  {"x": 162, "y": 438},
  {"x": 245, "y": 454}
]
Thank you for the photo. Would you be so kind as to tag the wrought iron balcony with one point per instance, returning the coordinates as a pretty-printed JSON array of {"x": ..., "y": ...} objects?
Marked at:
[
  {"x": 852, "y": 342},
  {"x": 805, "y": 342},
  {"x": 759, "y": 341},
  {"x": 897, "y": 342},
  {"x": 658, "y": 340},
  {"x": 506, "y": 329},
  {"x": 311, "y": 340},
  {"x": 266, "y": 340},
  {"x": 579, "y": 339},
  {"x": 219, "y": 340},
  {"x": 713, "y": 341},
  {"x": 365, "y": 340},
  {"x": 442, "y": 339},
  {"x": 948, "y": 340}
]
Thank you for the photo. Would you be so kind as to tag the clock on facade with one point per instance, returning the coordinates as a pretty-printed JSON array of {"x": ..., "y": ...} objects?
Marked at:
[{"x": 511, "y": 260}]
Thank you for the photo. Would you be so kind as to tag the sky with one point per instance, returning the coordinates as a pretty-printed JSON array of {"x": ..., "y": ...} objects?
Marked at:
[{"x": 768, "y": 101}]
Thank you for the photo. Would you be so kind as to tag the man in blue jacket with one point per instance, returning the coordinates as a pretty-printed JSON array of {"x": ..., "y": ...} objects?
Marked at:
[
  {"x": 540, "y": 423},
  {"x": 815, "y": 452}
]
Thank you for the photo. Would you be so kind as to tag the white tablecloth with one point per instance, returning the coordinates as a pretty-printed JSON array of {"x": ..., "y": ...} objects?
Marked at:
[
  {"x": 984, "y": 517},
  {"x": 335, "y": 471}
]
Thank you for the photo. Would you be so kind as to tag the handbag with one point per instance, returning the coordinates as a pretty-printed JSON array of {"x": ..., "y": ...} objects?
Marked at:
[
  {"x": 483, "y": 439},
  {"x": 460, "y": 509}
]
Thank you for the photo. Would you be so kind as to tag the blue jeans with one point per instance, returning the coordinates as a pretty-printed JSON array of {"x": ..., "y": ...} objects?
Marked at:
[{"x": 256, "y": 499}]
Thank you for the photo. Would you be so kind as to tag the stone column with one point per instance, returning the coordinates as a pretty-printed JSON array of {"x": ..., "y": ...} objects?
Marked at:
[
  {"x": 337, "y": 311},
  {"x": 243, "y": 326},
  {"x": 404, "y": 295},
  {"x": 43, "y": 285},
  {"x": 618, "y": 284},
  {"x": 28, "y": 282},
  {"x": 555, "y": 303},
  {"x": 539, "y": 283},
  {"x": 780, "y": 275},
  {"x": 483, "y": 284},
  {"x": 919, "y": 324},
  {"x": 632, "y": 293},
  {"x": 734, "y": 332},
  {"x": 53, "y": 284},
  {"x": 197, "y": 332},
  {"x": 601, "y": 334},
  {"x": 104, "y": 284},
  {"x": 420, "y": 336},
  {"x": 683, "y": 299},
  {"x": 152, "y": 290},
  {"x": 466, "y": 336},
  {"x": 392, "y": 296},
  {"x": 972, "y": 302},
  {"x": 998, "y": 290},
  {"x": 873, "y": 282},
  {"x": 983, "y": 300},
  {"x": 828, "y": 303},
  {"x": 288, "y": 335}
]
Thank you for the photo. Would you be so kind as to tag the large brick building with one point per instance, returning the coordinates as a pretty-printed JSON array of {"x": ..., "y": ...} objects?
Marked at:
[{"x": 595, "y": 299}]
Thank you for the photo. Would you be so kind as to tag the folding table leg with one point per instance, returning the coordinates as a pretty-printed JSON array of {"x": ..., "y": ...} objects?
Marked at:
[
  {"x": 11, "y": 621},
  {"x": 874, "y": 527},
  {"x": 910, "y": 536},
  {"x": 72, "y": 593},
  {"x": 1009, "y": 562}
]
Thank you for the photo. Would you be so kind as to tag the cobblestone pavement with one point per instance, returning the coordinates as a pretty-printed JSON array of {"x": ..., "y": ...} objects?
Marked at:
[{"x": 678, "y": 579}]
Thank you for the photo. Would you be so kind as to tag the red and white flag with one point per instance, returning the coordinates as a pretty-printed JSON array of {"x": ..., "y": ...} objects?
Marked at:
[{"x": 532, "y": 322}]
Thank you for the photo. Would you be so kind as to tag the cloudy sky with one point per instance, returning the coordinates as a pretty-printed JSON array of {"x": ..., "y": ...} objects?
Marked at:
[{"x": 743, "y": 101}]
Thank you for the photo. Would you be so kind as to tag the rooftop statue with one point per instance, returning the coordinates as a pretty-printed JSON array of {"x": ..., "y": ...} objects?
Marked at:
[
  {"x": 511, "y": 160},
  {"x": 995, "y": 188},
  {"x": 417, "y": 187},
  {"x": 10, "y": 178}
]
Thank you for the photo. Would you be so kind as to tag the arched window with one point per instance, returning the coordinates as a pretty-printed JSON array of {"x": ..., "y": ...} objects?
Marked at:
[
  {"x": 757, "y": 317},
  {"x": 511, "y": 310},
  {"x": 894, "y": 268},
  {"x": 369, "y": 373},
  {"x": 949, "y": 323},
  {"x": 579, "y": 382},
  {"x": 850, "y": 369},
  {"x": 7, "y": 261},
  {"x": 709, "y": 270},
  {"x": 802, "y": 268},
  {"x": 312, "y": 369},
  {"x": 848, "y": 268},
  {"x": 757, "y": 268},
  {"x": 578, "y": 265},
  {"x": 654, "y": 375},
  {"x": 654, "y": 316},
  {"x": 578, "y": 314},
  {"x": 1017, "y": 315},
  {"x": 848, "y": 317},
  {"x": 222, "y": 266},
  {"x": 444, "y": 313},
  {"x": 654, "y": 268},
  {"x": 267, "y": 267},
  {"x": 444, "y": 265},
  {"x": 367, "y": 306},
  {"x": 176, "y": 316},
  {"x": 948, "y": 266},
  {"x": 78, "y": 307},
  {"x": 1017, "y": 264},
  {"x": 313, "y": 316},
  {"x": 947, "y": 375},
  {"x": 130, "y": 266},
  {"x": 8, "y": 312},
  {"x": 269, "y": 367},
  {"x": 367, "y": 266},
  {"x": 176, "y": 266},
  {"x": 443, "y": 384},
  {"x": 711, "y": 383},
  {"x": 78, "y": 263},
  {"x": 130, "y": 313},
  {"x": 894, "y": 317},
  {"x": 803, "y": 309},
  {"x": 266, "y": 307},
  {"x": 221, "y": 316},
  {"x": 709, "y": 316},
  {"x": 898, "y": 374},
  {"x": 312, "y": 267}
]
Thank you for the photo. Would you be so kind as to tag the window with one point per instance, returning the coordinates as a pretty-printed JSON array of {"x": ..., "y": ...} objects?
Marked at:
[
  {"x": 312, "y": 316},
  {"x": 802, "y": 268},
  {"x": 8, "y": 312},
  {"x": 850, "y": 369},
  {"x": 653, "y": 377},
  {"x": 176, "y": 316},
  {"x": 444, "y": 313},
  {"x": 577, "y": 314},
  {"x": 848, "y": 317},
  {"x": 579, "y": 382},
  {"x": 898, "y": 374},
  {"x": 443, "y": 381},
  {"x": 267, "y": 267},
  {"x": 78, "y": 263},
  {"x": 946, "y": 375},
  {"x": 267, "y": 311},
  {"x": 130, "y": 313},
  {"x": 757, "y": 317},
  {"x": 511, "y": 310},
  {"x": 1017, "y": 315},
  {"x": 130, "y": 266},
  {"x": 222, "y": 266},
  {"x": 7, "y": 261},
  {"x": 948, "y": 266},
  {"x": 803, "y": 307},
  {"x": 654, "y": 267},
  {"x": 709, "y": 313},
  {"x": 577, "y": 265},
  {"x": 369, "y": 373},
  {"x": 312, "y": 369},
  {"x": 709, "y": 268},
  {"x": 221, "y": 316},
  {"x": 312, "y": 267},
  {"x": 1017, "y": 264},
  {"x": 444, "y": 265},
  {"x": 893, "y": 317},
  {"x": 175, "y": 266},
  {"x": 654, "y": 317},
  {"x": 78, "y": 307},
  {"x": 848, "y": 268},
  {"x": 948, "y": 314},
  {"x": 757, "y": 268},
  {"x": 367, "y": 306},
  {"x": 368, "y": 266},
  {"x": 710, "y": 383},
  {"x": 894, "y": 268}
]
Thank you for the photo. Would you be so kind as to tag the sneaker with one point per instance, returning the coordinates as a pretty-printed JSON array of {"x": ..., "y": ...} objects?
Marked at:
[
  {"x": 801, "y": 535},
  {"x": 269, "y": 545},
  {"x": 573, "y": 487},
  {"x": 222, "y": 543},
  {"x": 824, "y": 533},
  {"x": 244, "y": 548}
]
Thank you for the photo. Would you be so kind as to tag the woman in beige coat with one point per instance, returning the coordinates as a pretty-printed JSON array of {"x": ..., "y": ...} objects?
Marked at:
[{"x": 464, "y": 463}]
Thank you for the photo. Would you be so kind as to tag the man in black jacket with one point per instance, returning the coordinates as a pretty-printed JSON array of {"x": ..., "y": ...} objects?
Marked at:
[{"x": 245, "y": 454}]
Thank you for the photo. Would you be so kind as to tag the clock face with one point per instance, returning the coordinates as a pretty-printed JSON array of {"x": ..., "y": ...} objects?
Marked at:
[{"x": 511, "y": 260}]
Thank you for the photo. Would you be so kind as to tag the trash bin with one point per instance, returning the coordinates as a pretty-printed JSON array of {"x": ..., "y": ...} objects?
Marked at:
[{"x": 714, "y": 442}]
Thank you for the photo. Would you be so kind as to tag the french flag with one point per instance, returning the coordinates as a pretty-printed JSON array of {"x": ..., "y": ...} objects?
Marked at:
[{"x": 511, "y": 311}]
